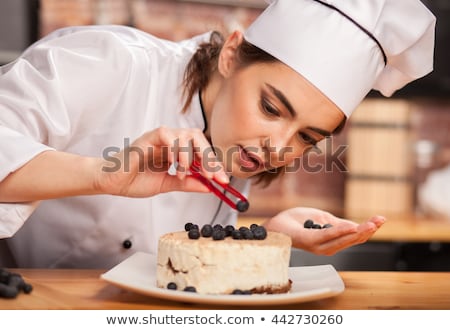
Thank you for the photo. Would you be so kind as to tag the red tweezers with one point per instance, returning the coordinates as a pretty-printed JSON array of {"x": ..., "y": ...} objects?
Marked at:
[{"x": 241, "y": 205}]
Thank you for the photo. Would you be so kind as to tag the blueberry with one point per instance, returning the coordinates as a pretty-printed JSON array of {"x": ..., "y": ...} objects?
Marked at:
[
  {"x": 327, "y": 225},
  {"x": 237, "y": 292},
  {"x": 207, "y": 231},
  {"x": 172, "y": 286},
  {"x": 4, "y": 276},
  {"x": 218, "y": 226},
  {"x": 316, "y": 226},
  {"x": 194, "y": 234},
  {"x": 7, "y": 291},
  {"x": 242, "y": 206},
  {"x": 259, "y": 232},
  {"x": 253, "y": 226},
  {"x": 218, "y": 235},
  {"x": 27, "y": 288},
  {"x": 247, "y": 234},
  {"x": 236, "y": 234},
  {"x": 229, "y": 230},
  {"x": 308, "y": 223},
  {"x": 190, "y": 289},
  {"x": 12, "y": 283},
  {"x": 16, "y": 281},
  {"x": 188, "y": 226}
]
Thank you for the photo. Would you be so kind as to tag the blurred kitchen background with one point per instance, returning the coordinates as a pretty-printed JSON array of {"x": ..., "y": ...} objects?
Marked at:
[{"x": 392, "y": 158}]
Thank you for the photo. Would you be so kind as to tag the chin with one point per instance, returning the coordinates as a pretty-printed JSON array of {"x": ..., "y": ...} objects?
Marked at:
[{"x": 244, "y": 174}]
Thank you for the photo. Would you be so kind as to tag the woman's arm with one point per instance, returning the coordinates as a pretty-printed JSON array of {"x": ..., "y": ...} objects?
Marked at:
[
  {"x": 51, "y": 174},
  {"x": 55, "y": 174}
]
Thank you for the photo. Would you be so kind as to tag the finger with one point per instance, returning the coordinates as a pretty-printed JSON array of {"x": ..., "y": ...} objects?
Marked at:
[
  {"x": 367, "y": 226},
  {"x": 378, "y": 220},
  {"x": 183, "y": 152},
  {"x": 335, "y": 245},
  {"x": 188, "y": 184},
  {"x": 339, "y": 229},
  {"x": 211, "y": 167},
  {"x": 160, "y": 142}
]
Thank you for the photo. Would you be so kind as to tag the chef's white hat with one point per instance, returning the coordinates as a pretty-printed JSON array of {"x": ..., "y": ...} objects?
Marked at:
[{"x": 348, "y": 47}]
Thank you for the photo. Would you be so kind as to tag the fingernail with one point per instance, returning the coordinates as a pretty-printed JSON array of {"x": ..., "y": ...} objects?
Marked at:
[
  {"x": 173, "y": 169},
  {"x": 223, "y": 178}
]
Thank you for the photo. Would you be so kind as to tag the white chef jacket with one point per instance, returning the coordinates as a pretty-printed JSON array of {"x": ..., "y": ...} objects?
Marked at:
[{"x": 82, "y": 90}]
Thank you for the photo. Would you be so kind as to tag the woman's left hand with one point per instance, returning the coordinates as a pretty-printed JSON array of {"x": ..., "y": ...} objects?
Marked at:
[{"x": 327, "y": 241}]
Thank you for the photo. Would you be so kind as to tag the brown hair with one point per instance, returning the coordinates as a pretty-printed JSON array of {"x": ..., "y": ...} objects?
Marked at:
[{"x": 203, "y": 64}]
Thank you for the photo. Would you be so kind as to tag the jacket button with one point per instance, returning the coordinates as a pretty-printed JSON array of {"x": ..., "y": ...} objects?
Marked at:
[{"x": 127, "y": 244}]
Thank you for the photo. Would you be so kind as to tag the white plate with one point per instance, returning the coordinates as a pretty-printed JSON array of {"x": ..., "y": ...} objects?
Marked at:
[{"x": 138, "y": 274}]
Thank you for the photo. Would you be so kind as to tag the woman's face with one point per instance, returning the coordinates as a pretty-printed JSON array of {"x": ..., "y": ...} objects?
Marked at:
[{"x": 266, "y": 115}]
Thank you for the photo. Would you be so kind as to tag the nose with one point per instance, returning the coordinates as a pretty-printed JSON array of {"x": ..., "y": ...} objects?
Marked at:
[{"x": 281, "y": 149}]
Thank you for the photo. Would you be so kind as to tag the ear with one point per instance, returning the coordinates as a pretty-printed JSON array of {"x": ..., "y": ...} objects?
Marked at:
[{"x": 227, "y": 56}]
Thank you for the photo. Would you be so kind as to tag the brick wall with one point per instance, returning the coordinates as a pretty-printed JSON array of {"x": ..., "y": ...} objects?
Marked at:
[
  {"x": 177, "y": 20},
  {"x": 169, "y": 19}
]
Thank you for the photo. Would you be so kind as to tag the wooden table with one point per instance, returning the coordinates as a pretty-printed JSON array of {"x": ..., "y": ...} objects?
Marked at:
[{"x": 83, "y": 289}]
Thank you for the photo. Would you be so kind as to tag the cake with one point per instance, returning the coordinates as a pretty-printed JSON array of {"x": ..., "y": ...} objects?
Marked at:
[{"x": 224, "y": 260}]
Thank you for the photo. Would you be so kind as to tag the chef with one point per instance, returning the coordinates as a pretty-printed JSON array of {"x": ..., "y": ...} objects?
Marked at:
[{"x": 100, "y": 124}]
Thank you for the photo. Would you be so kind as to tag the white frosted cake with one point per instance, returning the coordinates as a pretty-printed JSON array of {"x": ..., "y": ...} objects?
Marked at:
[{"x": 225, "y": 265}]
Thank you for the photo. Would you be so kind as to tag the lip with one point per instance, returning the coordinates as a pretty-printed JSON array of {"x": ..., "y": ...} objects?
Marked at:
[{"x": 249, "y": 161}]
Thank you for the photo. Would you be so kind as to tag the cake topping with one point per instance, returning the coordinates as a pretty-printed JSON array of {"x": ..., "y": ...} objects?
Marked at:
[
  {"x": 207, "y": 230},
  {"x": 188, "y": 226},
  {"x": 228, "y": 230},
  {"x": 236, "y": 234},
  {"x": 218, "y": 232},
  {"x": 259, "y": 232},
  {"x": 193, "y": 233},
  {"x": 218, "y": 226},
  {"x": 247, "y": 234}
]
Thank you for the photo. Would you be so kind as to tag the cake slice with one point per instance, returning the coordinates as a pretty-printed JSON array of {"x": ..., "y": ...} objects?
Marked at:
[{"x": 210, "y": 265}]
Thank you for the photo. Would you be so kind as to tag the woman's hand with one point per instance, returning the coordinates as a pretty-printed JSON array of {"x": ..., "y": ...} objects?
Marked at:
[
  {"x": 141, "y": 169},
  {"x": 326, "y": 241}
]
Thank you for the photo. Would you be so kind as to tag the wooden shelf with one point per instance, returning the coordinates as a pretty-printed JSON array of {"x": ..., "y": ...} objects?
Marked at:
[{"x": 413, "y": 228}]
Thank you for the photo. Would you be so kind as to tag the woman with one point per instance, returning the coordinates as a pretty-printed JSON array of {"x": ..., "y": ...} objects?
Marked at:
[{"x": 93, "y": 117}]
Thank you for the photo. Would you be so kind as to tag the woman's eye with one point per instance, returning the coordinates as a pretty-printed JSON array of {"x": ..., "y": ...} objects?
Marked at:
[
  {"x": 269, "y": 108},
  {"x": 307, "y": 139}
]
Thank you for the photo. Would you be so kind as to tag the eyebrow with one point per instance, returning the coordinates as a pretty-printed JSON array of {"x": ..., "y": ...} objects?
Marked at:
[
  {"x": 320, "y": 131},
  {"x": 283, "y": 99}
]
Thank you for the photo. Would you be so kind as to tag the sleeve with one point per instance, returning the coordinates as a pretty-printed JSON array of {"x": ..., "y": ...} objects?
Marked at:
[{"x": 59, "y": 89}]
